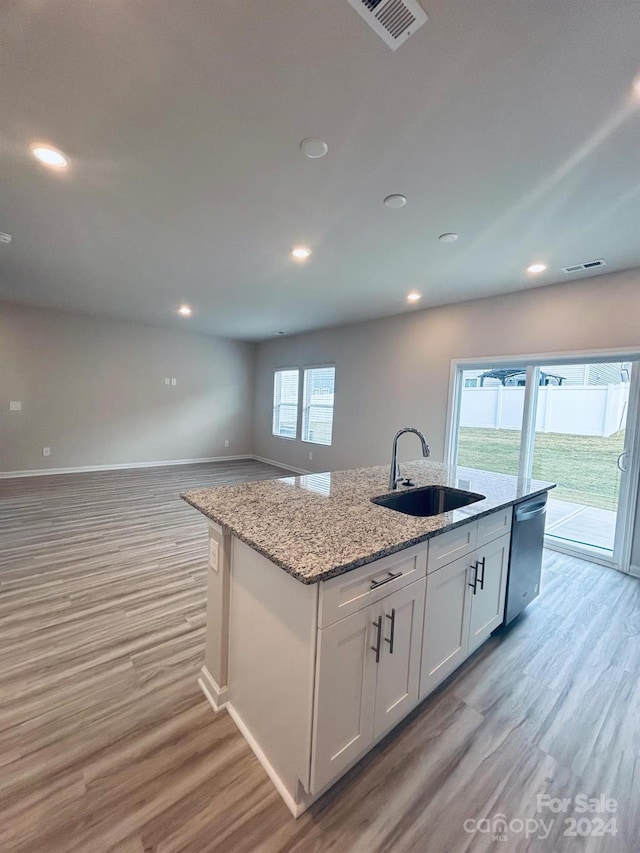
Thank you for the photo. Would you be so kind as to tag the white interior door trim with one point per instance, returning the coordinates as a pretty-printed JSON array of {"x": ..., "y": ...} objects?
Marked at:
[
  {"x": 453, "y": 415},
  {"x": 528, "y": 428},
  {"x": 630, "y": 477},
  {"x": 541, "y": 358}
]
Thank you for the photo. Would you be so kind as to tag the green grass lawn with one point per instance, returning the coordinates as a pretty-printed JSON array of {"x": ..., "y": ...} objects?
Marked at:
[{"x": 584, "y": 467}]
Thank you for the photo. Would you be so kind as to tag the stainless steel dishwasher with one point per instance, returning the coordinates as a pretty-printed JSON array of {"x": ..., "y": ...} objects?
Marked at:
[{"x": 525, "y": 564}]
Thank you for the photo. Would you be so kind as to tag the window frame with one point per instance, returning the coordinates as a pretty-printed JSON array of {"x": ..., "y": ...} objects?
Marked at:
[
  {"x": 277, "y": 370},
  {"x": 301, "y": 389}
]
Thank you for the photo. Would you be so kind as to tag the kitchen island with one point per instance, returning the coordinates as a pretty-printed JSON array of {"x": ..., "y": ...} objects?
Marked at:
[{"x": 330, "y": 617}]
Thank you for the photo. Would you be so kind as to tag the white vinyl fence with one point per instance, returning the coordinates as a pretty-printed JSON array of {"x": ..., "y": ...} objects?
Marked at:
[{"x": 571, "y": 409}]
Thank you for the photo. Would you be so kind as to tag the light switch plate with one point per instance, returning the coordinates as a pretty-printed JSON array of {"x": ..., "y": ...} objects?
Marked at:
[
  {"x": 167, "y": 380},
  {"x": 46, "y": 451},
  {"x": 15, "y": 406},
  {"x": 174, "y": 381}
]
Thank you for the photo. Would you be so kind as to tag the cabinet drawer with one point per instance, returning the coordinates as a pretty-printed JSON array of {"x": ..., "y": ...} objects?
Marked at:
[
  {"x": 495, "y": 525},
  {"x": 348, "y": 593},
  {"x": 447, "y": 547}
]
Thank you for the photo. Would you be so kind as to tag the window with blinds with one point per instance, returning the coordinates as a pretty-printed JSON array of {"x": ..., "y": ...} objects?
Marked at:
[
  {"x": 317, "y": 404},
  {"x": 285, "y": 403}
]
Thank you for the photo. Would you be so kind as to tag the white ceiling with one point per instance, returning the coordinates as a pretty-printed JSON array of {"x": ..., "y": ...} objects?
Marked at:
[{"x": 511, "y": 122}]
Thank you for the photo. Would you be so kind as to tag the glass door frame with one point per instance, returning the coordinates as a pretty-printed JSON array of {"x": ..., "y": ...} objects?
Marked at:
[{"x": 628, "y": 495}]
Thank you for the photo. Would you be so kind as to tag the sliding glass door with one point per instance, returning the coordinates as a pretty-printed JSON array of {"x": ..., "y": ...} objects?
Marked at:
[
  {"x": 490, "y": 427},
  {"x": 568, "y": 422},
  {"x": 579, "y": 444}
]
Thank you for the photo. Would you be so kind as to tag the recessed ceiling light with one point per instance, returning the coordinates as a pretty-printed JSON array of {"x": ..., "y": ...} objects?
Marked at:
[
  {"x": 300, "y": 253},
  {"x": 313, "y": 148},
  {"x": 534, "y": 269},
  {"x": 449, "y": 237},
  {"x": 396, "y": 200},
  {"x": 413, "y": 296},
  {"x": 49, "y": 156},
  {"x": 185, "y": 310}
]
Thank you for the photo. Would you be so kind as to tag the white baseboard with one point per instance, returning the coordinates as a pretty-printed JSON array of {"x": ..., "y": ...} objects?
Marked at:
[
  {"x": 634, "y": 571},
  {"x": 279, "y": 464},
  {"x": 295, "y": 808},
  {"x": 85, "y": 469},
  {"x": 216, "y": 696}
]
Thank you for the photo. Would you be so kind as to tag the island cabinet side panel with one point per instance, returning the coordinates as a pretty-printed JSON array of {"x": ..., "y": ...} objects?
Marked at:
[
  {"x": 218, "y": 581},
  {"x": 272, "y": 649}
]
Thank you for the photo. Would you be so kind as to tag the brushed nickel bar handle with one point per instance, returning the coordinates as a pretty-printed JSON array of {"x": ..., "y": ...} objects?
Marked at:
[
  {"x": 482, "y": 578},
  {"x": 392, "y": 635},
  {"x": 390, "y": 577},
  {"x": 475, "y": 577},
  {"x": 376, "y": 648}
]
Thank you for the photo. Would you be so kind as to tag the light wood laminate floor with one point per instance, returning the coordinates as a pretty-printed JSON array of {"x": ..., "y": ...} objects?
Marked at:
[{"x": 107, "y": 744}]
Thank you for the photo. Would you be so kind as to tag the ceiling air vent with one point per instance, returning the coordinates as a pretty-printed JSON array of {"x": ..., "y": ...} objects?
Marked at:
[
  {"x": 393, "y": 20},
  {"x": 587, "y": 266}
]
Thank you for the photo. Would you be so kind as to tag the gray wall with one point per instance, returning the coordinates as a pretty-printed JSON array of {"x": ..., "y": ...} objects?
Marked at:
[
  {"x": 395, "y": 372},
  {"x": 93, "y": 391}
]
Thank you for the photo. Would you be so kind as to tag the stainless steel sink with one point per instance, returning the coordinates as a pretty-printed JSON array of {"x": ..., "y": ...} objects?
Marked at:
[{"x": 430, "y": 500}]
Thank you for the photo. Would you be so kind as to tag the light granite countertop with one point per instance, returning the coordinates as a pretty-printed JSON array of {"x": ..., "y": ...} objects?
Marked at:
[{"x": 317, "y": 526}]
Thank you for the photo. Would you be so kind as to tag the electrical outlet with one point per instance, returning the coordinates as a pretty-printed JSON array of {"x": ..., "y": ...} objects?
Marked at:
[
  {"x": 167, "y": 380},
  {"x": 46, "y": 451},
  {"x": 15, "y": 406},
  {"x": 310, "y": 455},
  {"x": 226, "y": 444},
  {"x": 174, "y": 381}
]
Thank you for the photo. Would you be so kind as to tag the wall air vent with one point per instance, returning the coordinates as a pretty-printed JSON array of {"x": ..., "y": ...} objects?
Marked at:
[
  {"x": 393, "y": 20},
  {"x": 586, "y": 266}
]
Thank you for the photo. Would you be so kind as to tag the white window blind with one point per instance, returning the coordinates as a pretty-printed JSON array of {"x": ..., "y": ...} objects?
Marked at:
[
  {"x": 317, "y": 405},
  {"x": 285, "y": 403}
]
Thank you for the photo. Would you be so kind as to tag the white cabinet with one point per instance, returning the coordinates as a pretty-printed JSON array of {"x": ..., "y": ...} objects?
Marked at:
[
  {"x": 319, "y": 673},
  {"x": 489, "y": 578},
  {"x": 344, "y": 695},
  {"x": 367, "y": 679},
  {"x": 492, "y": 526},
  {"x": 393, "y": 645},
  {"x": 449, "y": 546},
  {"x": 399, "y": 667},
  {"x": 343, "y": 595},
  {"x": 464, "y": 604},
  {"x": 446, "y": 623}
]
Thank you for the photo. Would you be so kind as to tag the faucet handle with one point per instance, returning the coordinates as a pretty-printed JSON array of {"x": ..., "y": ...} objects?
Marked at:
[{"x": 407, "y": 482}]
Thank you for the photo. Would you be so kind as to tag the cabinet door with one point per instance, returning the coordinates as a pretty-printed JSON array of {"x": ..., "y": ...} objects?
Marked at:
[
  {"x": 446, "y": 622},
  {"x": 344, "y": 695},
  {"x": 398, "y": 681},
  {"x": 487, "y": 605}
]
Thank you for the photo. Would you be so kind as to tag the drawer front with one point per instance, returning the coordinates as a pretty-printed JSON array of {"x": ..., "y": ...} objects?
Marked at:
[
  {"x": 447, "y": 547},
  {"x": 348, "y": 593},
  {"x": 495, "y": 525}
]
